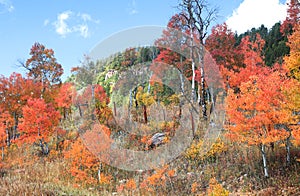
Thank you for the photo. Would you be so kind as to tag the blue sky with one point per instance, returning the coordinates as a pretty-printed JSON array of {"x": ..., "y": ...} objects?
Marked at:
[{"x": 73, "y": 27}]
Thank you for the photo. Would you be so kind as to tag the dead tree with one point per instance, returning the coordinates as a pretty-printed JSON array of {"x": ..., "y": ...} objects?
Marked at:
[{"x": 199, "y": 18}]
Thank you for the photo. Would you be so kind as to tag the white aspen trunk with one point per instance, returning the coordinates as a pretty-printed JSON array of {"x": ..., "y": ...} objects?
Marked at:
[
  {"x": 199, "y": 94},
  {"x": 182, "y": 83},
  {"x": 130, "y": 105},
  {"x": 99, "y": 172},
  {"x": 288, "y": 151},
  {"x": 202, "y": 83},
  {"x": 263, "y": 152},
  {"x": 193, "y": 62},
  {"x": 130, "y": 98},
  {"x": 43, "y": 88},
  {"x": 181, "y": 77},
  {"x": 193, "y": 80},
  {"x": 149, "y": 86},
  {"x": 212, "y": 107},
  {"x": 209, "y": 100}
]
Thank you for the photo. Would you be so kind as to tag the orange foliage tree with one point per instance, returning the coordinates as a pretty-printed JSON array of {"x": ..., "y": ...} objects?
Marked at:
[
  {"x": 253, "y": 60},
  {"x": 291, "y": 107},
  {"x": 158, "y": 179},
  {"x": 171, "y": 44},
  {"x": 222, "y": 47},
  {"x": 64, "y": 98},
  {"x": 293, "y": 60},
  {"x": 83, "y": 164},
  {"x": 44, "y": 68},
  {"x": 296, "y": 135},
  {"x": 256, "y": 111},
  {"x": 292, "y": 17},
  {"x": 87, "y": 153},
  {"x": 15, "y": 91},
  {"x": 38, "y": 123}
]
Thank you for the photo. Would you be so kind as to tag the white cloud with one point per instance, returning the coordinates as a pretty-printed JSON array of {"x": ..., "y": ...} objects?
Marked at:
[
  {"x": 68, "y": 22},
  {"x": 61, "y": 27},
  {"x": 83, "y": 30},
  {"x": 87, "y": 18},
  {"x": 133, "y": 8},
  {"x": 254, "y": 13},
  {"x": 6, "y": 6}
]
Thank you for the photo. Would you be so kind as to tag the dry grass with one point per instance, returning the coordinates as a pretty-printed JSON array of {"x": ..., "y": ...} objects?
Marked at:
[
  {"x": 238, "y": 170},
  {"x": 41, "y": 178},
  {"x": 29, "y": 174}
]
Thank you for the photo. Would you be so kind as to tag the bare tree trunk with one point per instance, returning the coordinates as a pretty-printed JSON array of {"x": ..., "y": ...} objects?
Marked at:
[
  {"x": 182, "y": 92},
  {"x": 181, "y": 80},
  {"x": 208, "y": 95},
  {"x": 193, "y": 125},
  {"x": 149, "y": 86},
  {"x": 7, "y": 137},
  {"x": 99, "y": 172},
  {"x": 263, "y": 152},
  {"x": 199, "y": 94},
  {"x": 288, "y": 153},
  {"x": 64, "y": 112},
  {"x": 212, "y": 98},
  {"x": 15, "y": 125},
  {"x": 130, "y": 105},
  {"x": 115, "y": 109},
  {"x": 130, "y": 99},
  {"x": 202, "y": 84},
  {"x": 44, "y": 147},
  {"x": 80, "y": 111},
  {"x": 287, "y": 141},
  {"x": 191, "y": 28},
  {"x": 145, "y": 114},
  {"x": 193, "y": 69},
  {"x": 2, "y": 154}
]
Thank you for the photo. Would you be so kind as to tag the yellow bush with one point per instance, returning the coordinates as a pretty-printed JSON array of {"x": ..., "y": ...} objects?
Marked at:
[
  {"x": 215, "y": 189},
  {"x": 194, "y": 152}
]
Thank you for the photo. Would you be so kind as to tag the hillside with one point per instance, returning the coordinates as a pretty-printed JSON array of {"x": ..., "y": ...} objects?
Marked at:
[{"x": 190, "y": 115}]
